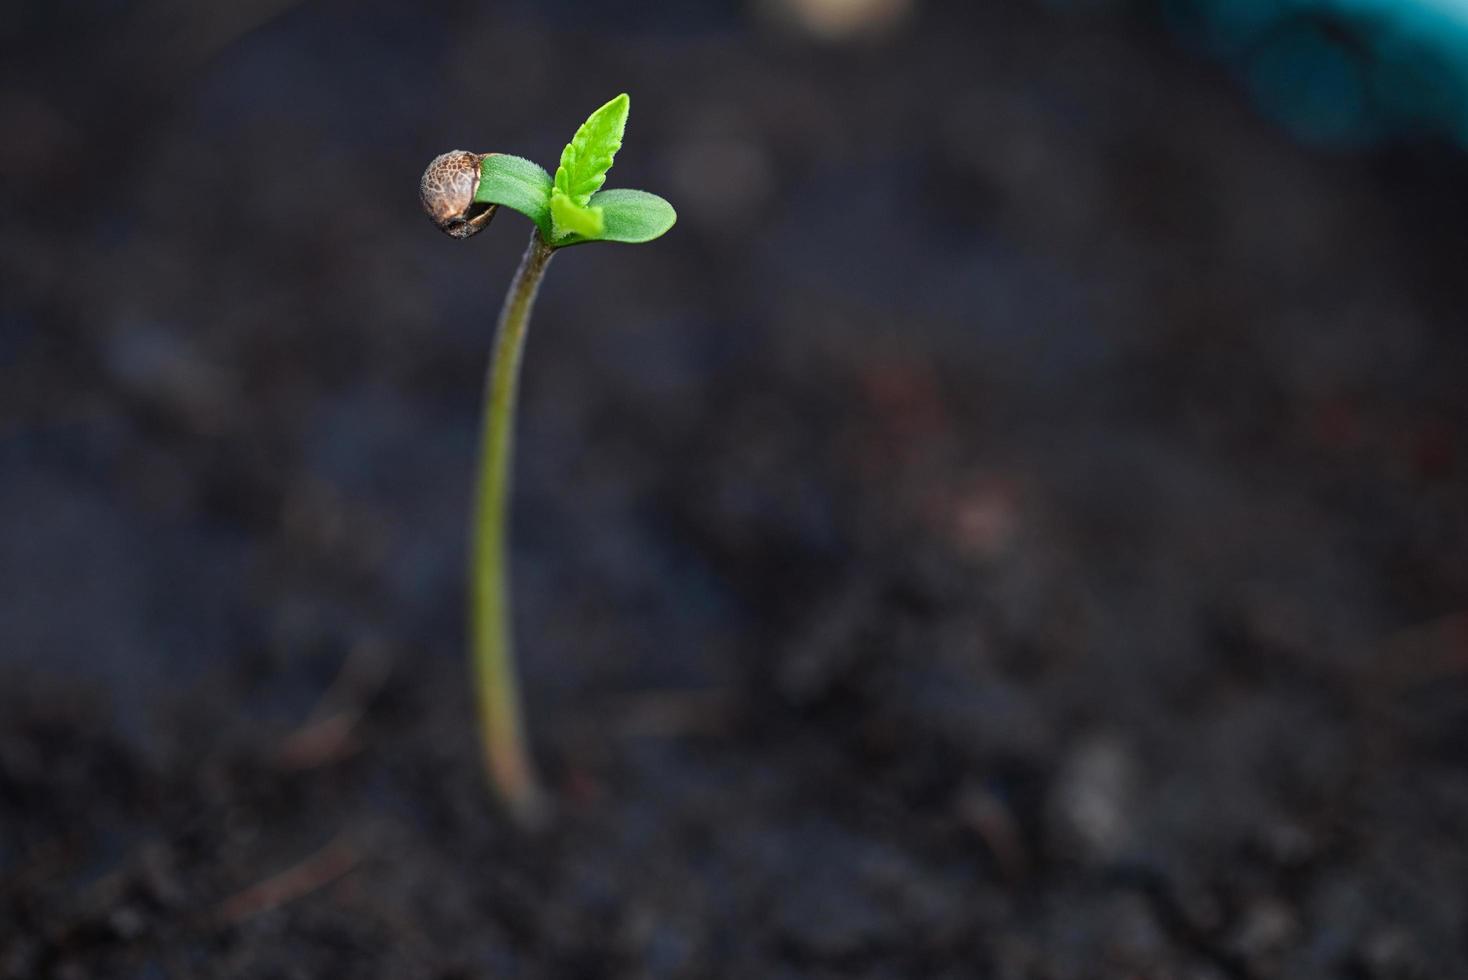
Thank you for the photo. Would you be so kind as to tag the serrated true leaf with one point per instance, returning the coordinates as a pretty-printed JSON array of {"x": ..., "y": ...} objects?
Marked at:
[
  {"x": 518, "y": 184},
  {"x": 587, "y": 158},
  {"x": 571, "y": 220}
]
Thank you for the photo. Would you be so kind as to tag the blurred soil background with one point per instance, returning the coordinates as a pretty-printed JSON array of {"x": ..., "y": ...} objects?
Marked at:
[{"x": 1014, "y": 526}]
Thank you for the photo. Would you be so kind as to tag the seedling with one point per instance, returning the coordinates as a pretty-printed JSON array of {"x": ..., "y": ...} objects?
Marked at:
[{"x": 461, "y": 191}]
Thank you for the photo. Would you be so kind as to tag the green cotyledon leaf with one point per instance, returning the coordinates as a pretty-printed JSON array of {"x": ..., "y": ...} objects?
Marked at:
[
  {"x": 519, "y": 185},
  {"x": 587, "y": 158},
  {"x": 629, "y": 216}
]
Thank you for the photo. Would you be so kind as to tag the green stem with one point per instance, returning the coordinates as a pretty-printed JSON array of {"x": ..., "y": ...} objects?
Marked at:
[{"x": 511, "y": 771}]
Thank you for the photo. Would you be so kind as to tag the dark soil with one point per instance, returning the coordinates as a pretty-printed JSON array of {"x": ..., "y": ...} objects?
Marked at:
[{"x": 1015, "y": 526}]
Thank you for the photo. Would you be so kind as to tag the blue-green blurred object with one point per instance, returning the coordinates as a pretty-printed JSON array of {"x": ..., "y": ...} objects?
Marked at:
[{"x": 1343, "y": 73}]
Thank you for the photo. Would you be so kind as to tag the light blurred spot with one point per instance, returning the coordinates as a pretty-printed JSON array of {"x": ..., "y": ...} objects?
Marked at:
[
  {"x": 1092, "y": 803},
  {"x": 985, "y": 518},
  {"x": 839, "y": 20}
]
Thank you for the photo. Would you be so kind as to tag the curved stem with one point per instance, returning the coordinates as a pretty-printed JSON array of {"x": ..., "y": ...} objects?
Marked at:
[{"x": 511, "y": 771}]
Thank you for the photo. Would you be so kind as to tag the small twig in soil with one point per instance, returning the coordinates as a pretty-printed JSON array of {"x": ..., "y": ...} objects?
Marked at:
[
  {"x": 992, "y": 820},
  {"x": 327, "y": 733},
  {"x": 311, "y": 874}
]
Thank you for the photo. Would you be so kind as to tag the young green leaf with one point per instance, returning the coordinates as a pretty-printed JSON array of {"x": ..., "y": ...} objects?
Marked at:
[
  {"x": 587, "y": 158},
  {"x": 634, "y": 216},
  {"x": 570, "y": 219},
  {"x": 518, "y": 184},
  {"x": 630, "y": 216}
]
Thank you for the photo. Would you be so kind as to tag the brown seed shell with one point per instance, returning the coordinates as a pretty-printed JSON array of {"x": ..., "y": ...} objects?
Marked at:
[{"x": 447, "y": 192}]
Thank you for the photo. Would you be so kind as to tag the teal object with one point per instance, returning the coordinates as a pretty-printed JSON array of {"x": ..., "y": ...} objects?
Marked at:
[{"x": 1343, "y": 73}]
